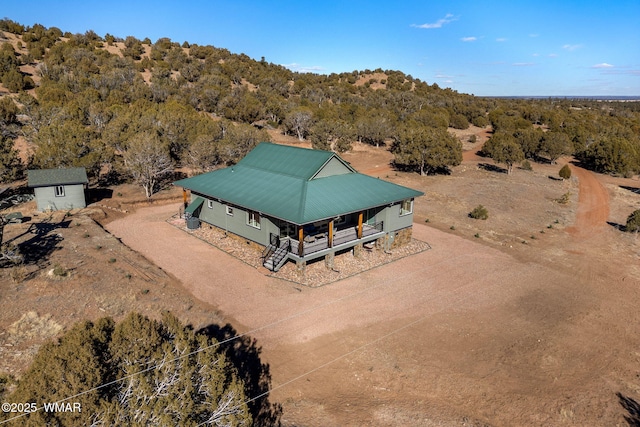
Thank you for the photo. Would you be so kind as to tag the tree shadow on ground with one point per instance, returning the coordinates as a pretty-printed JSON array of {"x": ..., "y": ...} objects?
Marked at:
[
  {"x": 412, "y": 168},
  {"x": 43, "y": 242},
  {"x": 492, "y": 168},
  {"x": 619, "y": 227},
  {"x": 633, "y": 410},
  {"x": 632, "y": 189},
  {"x": 244, "y": 353}
]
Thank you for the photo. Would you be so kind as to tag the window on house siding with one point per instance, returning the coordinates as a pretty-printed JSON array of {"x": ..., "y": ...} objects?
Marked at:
[
  {"x": 229, "y": 210},
  {"x": 59, "y": 190},
  {"x": 406, "y": 207},
  {"x": 253, "y": 219}
]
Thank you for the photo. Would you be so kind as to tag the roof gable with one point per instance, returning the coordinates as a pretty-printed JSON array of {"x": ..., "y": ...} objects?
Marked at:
[
  {"x": 334, "y": 166},
  {"x": 49, "y": 177},
  {"x": 297, "y": 162}
]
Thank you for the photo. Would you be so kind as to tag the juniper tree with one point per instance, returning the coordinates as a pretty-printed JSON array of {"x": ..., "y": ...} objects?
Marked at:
[
  {"x": 138, "y": 372},
  {"x": 503, "y": 148},
  {"x": 565, "y": 172},
  {"x": 426, "y": 149},
  {"x": 633, "y": 222}
]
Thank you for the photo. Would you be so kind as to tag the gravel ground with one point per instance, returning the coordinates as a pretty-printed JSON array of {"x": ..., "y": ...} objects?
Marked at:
[{"x": 316, "y": 273}]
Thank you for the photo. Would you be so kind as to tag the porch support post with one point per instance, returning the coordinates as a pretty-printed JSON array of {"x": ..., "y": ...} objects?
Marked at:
[
  {"x": 330, "y": 243},
  {"x": 360, "y": 215},
  {"x": 300, "y": 241},
  {"x": 184, "y": 197}
]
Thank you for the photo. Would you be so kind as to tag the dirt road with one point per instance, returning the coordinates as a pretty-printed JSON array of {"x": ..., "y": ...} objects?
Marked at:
[{"x": 593, "y": 204}]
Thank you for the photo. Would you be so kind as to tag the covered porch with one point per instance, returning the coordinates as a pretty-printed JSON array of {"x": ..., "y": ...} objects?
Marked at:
[
  {"x": 313, "y": 246},
  {"x": 344, "y": 238}
]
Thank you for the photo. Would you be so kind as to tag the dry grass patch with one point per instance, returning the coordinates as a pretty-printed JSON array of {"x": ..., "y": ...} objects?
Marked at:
[{"x": 32, "y": 326}]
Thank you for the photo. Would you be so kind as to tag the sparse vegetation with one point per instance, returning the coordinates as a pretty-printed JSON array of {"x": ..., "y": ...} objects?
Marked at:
[
  {"x": 59, "y": 271},
  {"x": 479, "y": 212},
  {"x": 564, "y": 199},
  {"x": 18, "y": 273}
]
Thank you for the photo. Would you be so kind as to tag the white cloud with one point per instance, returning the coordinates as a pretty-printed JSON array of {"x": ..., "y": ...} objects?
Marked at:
[
  {"x": 571, "y": 47},
  {"x": 523, "y": 64},
  {"x": 553, "y": 55},
  {"x": 469, "y": 39},
  {"x": 533, "y": 35},
  {"x": 501, "y": 39},
  {"x": 603, "y": 65},
  {"x": 438, "y": 24}
]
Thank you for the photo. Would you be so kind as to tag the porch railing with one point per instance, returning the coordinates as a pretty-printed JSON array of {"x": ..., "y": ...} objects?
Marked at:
[
  {"x": 280, "y": 254},
  {"x": 320, "y": 242},
  {"x": 270, "y": 248}
]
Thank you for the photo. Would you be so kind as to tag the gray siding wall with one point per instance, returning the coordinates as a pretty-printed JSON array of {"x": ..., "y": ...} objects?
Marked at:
[
  {"x": 393, "y": 220},
  {"x": 73, "y": 198},
  {"x": 236, "y": 223},
  {"x": 333, "y": 167}
]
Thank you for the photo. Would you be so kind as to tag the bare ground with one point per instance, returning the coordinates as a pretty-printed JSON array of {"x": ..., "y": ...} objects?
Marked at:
[{"x": 528, "y": 318}]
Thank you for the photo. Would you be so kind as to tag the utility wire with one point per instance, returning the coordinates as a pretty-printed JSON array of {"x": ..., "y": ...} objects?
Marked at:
[{"x": 238, "y": 336}]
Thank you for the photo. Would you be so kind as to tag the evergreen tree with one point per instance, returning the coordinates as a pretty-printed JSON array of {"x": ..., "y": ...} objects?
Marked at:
[
  {"x": 503, "y": 148},
  {"x": 565, "y": 172},
  {"x": 138, "y": 372},
  {"x": 10, "y": 165},
  {"x": 555, "y": 145},
  {"x": 426, "y": 149}
]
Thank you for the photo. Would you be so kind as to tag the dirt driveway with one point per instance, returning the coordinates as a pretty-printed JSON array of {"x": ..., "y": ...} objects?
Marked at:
[{"x": 460, "y": 333}]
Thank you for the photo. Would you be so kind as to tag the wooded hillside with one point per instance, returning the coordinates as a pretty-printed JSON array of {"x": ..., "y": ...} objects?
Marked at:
[{"x": 107, "y": 103}]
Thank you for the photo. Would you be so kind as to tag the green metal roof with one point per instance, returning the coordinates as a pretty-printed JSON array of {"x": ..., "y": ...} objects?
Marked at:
[
  {"x": 297, "y": 162},
  {"x": 195, "y": 204},
  {"x": 49, "y": 177},
  {"x": 276, "y": 180}
]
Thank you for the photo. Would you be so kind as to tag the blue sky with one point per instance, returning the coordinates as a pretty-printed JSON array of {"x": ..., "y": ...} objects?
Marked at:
[{"x": 486, "y": 48}]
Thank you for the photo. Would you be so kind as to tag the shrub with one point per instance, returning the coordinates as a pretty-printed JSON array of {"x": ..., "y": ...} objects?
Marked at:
[
  {"x": 633, "y": 222},
  {"x": 565, "y": 172},
  {"x": 564, "y": 199},
  {"x": 479, "y": 212},
  {"x": 59, "y": 271},
  {"x": 525, "y": 165}
]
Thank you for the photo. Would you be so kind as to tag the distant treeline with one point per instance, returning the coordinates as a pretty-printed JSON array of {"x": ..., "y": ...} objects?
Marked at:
[{"x": 98, "y": 97}]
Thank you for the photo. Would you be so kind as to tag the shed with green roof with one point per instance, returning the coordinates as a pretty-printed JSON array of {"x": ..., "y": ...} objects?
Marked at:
[
  {"x": 300, "y": 204},
  {"x": 57, "y": 189}
]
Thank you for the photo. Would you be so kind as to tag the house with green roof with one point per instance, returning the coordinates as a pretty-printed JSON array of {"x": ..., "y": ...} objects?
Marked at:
[
  {"x": 57, "y": 189},
  {"x": 300, "y": 204}
]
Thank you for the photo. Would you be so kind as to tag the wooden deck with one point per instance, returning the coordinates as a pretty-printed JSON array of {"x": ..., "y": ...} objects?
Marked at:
[{"x": 340, "y": 237}]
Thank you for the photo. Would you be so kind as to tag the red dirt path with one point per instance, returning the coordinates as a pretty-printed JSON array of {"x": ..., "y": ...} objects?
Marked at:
[{"x": 593, "y": 204}]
